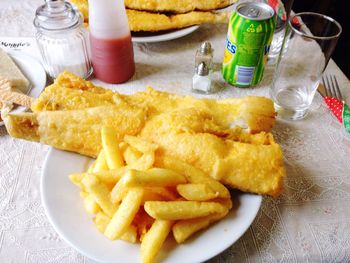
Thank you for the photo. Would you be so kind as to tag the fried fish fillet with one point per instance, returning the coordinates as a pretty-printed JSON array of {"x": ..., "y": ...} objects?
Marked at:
[
  {"x": 70, "y": 113},
  {"x": 254, "y": 164},
  {"x": 179, "y": 6},
  {"x": 253, "y": 114},
  {"x": 77, "y": 130},
  {"x": 152, "y": 22},
  {"x": 146, "y": 21}
]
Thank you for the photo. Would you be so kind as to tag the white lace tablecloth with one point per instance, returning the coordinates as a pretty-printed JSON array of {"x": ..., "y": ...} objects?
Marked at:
[{"x": 310, "y": 222}]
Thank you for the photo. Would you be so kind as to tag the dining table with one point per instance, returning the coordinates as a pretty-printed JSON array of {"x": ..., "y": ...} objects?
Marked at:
[{"x": 308, "y": 222}]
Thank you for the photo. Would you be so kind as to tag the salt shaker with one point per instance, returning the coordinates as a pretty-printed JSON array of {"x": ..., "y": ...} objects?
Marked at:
[
  {"x": 62, "y": 39},
  {"x": 201, "y": 81},
  {"x": 205, "y": 54}
]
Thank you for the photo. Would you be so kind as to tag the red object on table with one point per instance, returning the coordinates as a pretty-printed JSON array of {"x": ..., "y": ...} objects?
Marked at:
[
  {"x": 112, "y": 59},
  {"x": 336, "y": 106}
]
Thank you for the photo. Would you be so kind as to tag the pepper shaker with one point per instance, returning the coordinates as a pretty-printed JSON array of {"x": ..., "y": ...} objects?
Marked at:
[
  {"x": 205, "y": 54},
  {"x": 201, "y": 81},
  {"x": 62, "y": 39}
]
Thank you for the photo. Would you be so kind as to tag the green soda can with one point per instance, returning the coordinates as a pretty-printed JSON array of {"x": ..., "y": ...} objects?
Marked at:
[{"x": 250, "y": 32}]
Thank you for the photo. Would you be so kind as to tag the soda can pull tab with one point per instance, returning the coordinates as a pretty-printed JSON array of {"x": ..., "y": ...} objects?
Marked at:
[{"x": 253, "y": 12}]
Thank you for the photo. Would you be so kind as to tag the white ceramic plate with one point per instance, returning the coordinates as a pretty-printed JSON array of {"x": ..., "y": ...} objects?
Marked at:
[
  {"x": 64, "y": 208},
  {"x": 34, "y": 72},
  {"x": 162, "y": 36}
]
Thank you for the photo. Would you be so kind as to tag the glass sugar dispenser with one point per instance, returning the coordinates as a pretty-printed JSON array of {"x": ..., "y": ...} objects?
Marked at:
[{"x": 62, "y": 39}]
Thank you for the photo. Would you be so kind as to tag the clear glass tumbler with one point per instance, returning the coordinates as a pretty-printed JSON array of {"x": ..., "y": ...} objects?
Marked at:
[{"x": 312, "y": 39}]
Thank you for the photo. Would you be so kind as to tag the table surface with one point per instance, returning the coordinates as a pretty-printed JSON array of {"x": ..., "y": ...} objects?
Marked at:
[{"x": 310, "y": 222}]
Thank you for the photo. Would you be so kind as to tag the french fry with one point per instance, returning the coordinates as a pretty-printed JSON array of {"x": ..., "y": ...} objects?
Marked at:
[
  {"x": 154, "y": 239},
  {"x": 91, "y": 167},
  {"x": 110, "y": 145},
  {"x": 122, "y": 219},
  {"x": 144, "y": 163},
  {"x": 100, "y": 163},
  {"x": 119, "y": 191},
  {"x": 131, "y": 155},
  {"x": 130, "y": 234},
  {"x": 143, "y": 222},
  {"x": 150, "y": 195},
  {"x": 178, "y": 210},
  {"x": 101, "y": 221},
  {"x": 153, "y": 177},
  {"x": 90, "y": 205},
  {"x": 100, "y": 193},
  {"x": 140, "y": 144},
  {"x": 123, "y": 146},
  {"x": 76, "y": 179},
  {"x": 147, "y": 198},
  {"x": 196, "y": 192},
  {"x": 165, "y": 193},
  {"x": 183, "y": 229},
  {"x": 193, "y": 174},
  {"x": 83, "y": 194},
  {"x": 112, "y": 176}
]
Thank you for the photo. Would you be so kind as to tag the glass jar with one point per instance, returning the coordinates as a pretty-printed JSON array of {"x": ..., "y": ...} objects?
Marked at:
[{"x": 62, "y": 39}]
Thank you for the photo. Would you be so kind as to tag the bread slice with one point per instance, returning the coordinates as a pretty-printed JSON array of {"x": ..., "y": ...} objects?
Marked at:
[{"x": 10, "y": 71}]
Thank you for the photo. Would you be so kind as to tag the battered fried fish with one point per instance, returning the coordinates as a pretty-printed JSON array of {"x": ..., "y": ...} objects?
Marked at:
[
  {"x": 70, "y": 113},
  {"x": 254, "y": 114},
  {"x": 180, "y": 6},
  {"x": 254, "y": 164},
  {"x": 77, "y": 130},
  {"x": 154, "y": 21},
  {"x": 146, "y": 21}
]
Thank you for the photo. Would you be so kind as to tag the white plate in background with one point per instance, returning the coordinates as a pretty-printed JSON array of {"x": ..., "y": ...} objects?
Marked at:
[
  {"x": 33, "y": 70},
  {"x": 64, "y": 209},
  {"x": 148, "y": 37}
]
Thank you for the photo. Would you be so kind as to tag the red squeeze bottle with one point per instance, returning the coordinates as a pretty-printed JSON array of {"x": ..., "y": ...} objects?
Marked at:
[{"x": 112, "y": 52}]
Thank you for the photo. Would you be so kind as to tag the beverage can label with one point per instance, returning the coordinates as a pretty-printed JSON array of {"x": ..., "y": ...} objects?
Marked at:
[{"x": 248, "y": 40}]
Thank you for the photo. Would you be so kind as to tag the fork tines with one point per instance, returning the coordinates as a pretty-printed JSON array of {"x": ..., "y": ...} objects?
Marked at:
[{"x": 332, "y": 87}]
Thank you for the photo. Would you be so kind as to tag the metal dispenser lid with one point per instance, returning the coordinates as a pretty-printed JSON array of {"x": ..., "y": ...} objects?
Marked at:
[
  {"x": 57, "y": 15},
  {"x": 206, "y": 48},
  {"x": 202, "y": 69}
]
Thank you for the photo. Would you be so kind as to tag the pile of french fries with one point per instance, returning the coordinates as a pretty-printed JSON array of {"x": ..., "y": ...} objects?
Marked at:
[{"x": 137, "y": 194}]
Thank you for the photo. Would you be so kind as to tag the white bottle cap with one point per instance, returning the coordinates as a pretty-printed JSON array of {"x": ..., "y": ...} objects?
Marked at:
[{"x": 108, "y": 19}]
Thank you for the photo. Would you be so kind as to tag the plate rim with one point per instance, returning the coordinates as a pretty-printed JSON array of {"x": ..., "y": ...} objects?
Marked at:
[
  {"x": 174, "y": 34},
  {"x": 219, "y": 249}
]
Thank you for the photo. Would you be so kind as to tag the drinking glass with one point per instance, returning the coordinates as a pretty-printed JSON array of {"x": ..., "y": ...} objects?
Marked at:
[{"x": 312, "y": 39}]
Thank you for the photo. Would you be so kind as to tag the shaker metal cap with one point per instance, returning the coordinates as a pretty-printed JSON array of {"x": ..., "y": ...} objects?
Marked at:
[
  {"x": 206, "y": 48},
  {"x": 57, "y": 15},
  {"x": 202, "y": 69}
]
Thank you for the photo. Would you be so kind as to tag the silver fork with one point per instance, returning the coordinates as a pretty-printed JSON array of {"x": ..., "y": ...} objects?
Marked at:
[{"x": 331, "y": 87}]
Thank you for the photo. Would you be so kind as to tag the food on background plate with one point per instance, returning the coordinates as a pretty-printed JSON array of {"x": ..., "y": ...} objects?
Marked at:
[
  {"x": 144, "y": 204},
  {"x": 152, "y": 22},
  {"x": 155, "y": 15},
  {"x": 9, "y": 96},
  {"x": 204, "y": 133},
  {"x": 179, "y": 6},
  {"x": 10, "y": 71}
]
